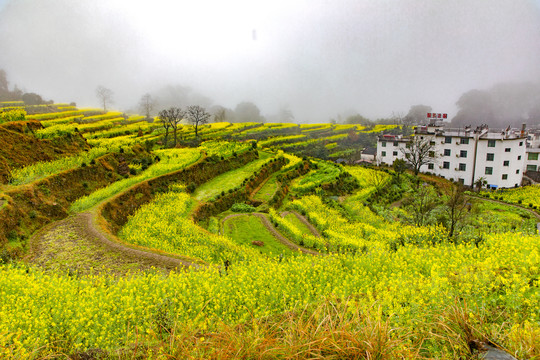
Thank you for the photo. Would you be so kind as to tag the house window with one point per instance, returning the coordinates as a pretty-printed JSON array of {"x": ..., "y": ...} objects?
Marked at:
[
  {"x": 463, "y": 153},
  {"x": 447, "y": 139},
  {"x": 461, "y": 181},
  {"x": 519, "y": 157},
  {"x": 383, "y": 144},
  {"x": 506, "y": 163},
  {"x": 506, "y": 149},
  {"x": 464, "y": 141},
  {"x": 384, "y": 153},
  {"x": 447, "y": 152},
  {"x": 430, "y": 166},
  {"x": 446, "y": 165},
  {"x": 395, "y": 143},
  {"x": 491, "y": 143},
  {"x": 521, "y": 143},
  {"x": 489, "y": 170},
  {"x": 531, "y": 167},
  {"x": 490, "y": 157},
  {"x": 532, "y": 156},
  {"x": 462, "y": 167},
  {"x": 394, "y": 153},
  {"x": 505, "y": 176},
  {"x": 431, "y": 154},
  {"x": 517, "y": 171}
]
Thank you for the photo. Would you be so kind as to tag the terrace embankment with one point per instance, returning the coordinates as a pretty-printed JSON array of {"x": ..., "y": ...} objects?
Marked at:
[
  {"x": 32, "y": 206},
  {"x": 117, "y": 211},
  {"x": 21, "y": 148}
]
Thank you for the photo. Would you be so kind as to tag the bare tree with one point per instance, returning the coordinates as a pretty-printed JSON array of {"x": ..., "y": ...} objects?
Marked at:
[
  {"x": 105, "y": 96},
  {"x": 147, "y": 104},
  {"x": 418, "y": 152},
  {"x": 197, "y": 115},
  {"x": 220, "y": 114},
  {"x": 171, "y": 119}
]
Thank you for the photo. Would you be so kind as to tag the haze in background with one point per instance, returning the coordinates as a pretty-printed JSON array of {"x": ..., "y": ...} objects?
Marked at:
[{"x": 316, "y": 58}]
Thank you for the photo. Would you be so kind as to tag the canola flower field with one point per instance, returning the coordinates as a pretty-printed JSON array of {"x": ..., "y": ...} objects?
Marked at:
[
  {"x": 40, "y": 309},
  {"x": 403, "y": 274},
  {"x": 528, "y": 196}
]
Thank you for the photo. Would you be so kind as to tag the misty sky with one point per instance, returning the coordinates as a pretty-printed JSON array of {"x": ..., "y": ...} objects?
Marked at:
[{"x": 317, "y": 57}]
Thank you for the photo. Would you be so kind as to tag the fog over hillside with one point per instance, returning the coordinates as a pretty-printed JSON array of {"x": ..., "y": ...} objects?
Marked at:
[{"x": 318, "y": 58}]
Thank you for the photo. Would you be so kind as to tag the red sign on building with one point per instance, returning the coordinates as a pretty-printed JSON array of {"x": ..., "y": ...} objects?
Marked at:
[{"x": 437, "y": 115}]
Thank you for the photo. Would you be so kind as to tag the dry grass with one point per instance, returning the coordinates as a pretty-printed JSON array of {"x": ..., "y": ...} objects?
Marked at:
[{"x": 338, "y": 329}]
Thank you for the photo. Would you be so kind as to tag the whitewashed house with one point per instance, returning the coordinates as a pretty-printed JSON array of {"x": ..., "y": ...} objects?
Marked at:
[
  {"x": 532, "y": 161},
  {"x": 465, "y": 155}
]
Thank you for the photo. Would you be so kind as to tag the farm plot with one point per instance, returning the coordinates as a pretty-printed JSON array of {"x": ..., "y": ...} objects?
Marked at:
[{"x": 229, "y": 180}]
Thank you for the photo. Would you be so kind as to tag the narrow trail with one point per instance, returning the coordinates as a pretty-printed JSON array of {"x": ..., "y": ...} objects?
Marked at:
[
  {"x": 304, "y": 221},
  {"x": 282, "y": 239},
  {"x": 77, "y": 243},
  {"x": 517, "y": 206}
]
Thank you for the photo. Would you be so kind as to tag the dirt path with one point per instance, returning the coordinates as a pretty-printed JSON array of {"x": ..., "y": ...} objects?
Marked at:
[
  {"x": 279, "y": 237},
  {"x": 78, "y": 244},
  {"x": 517, "y": 206},
  {"x": 304, "y": 221}
]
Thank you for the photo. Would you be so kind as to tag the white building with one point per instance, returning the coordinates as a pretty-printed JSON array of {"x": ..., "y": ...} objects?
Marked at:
[
  {"x": 532, "y": 161},
  {"x": 465, "y": 155}
]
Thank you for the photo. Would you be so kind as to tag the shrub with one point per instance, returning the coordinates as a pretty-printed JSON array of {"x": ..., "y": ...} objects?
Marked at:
[
  {"x": 241, "y": 208},
  {"x": 191, "y": 187}
]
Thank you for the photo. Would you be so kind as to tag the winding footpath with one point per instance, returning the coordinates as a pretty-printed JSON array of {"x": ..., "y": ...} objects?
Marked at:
[
  {"x": 517, "y": 206},
  {"x": 77, "y": 243}
]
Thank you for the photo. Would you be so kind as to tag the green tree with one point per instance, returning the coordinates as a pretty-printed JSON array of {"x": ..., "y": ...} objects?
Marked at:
[
  {"x": 422, "y": 203},
  {"x": 248, "y": 112},
  {"x": 399, "y": 166},
  {"x": 458, "y": 208}
]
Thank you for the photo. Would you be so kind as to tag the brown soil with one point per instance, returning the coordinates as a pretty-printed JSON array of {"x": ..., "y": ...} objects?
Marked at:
[{"x": 78, "y": 244}]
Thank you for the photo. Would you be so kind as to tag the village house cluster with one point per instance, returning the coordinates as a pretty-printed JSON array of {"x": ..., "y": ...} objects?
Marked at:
[{"x": 500, "y": 157}]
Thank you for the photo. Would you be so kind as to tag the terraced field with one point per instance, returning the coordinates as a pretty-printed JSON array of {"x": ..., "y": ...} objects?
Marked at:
[{"x": 106, "y": 253}]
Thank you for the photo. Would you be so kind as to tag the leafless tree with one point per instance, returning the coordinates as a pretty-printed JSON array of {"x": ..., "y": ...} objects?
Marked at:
[
  {"x": 171, "y": 119},
  {"x": 197, "y": 115},
  {"x": 147, "y": 104},
  {"x": 105, "y": 96},
  {"x": 220, "y": 114},
  {"x": 418, "y": 152}
]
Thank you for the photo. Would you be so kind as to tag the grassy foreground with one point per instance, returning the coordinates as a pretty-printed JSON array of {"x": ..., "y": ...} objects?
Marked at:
[{"x": 426, "y": 301}]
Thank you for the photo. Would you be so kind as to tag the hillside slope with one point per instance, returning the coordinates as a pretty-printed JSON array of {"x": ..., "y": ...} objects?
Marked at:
[{"x": 21, "y": 148}]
